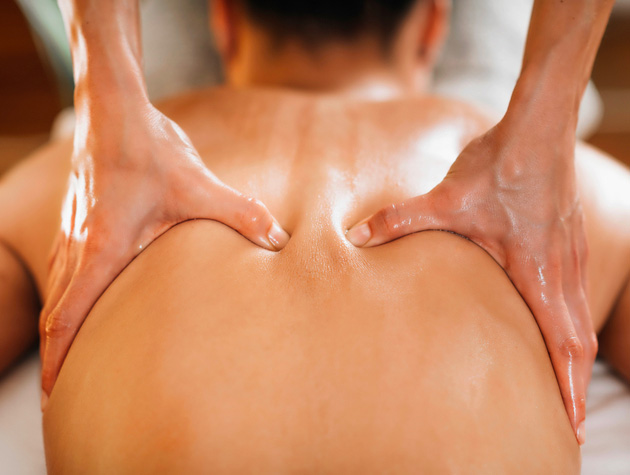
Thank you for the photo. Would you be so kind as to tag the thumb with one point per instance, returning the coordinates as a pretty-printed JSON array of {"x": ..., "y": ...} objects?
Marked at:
[
  {"x": 246, "y": 215},
  {"x": 424, "y": 212}
]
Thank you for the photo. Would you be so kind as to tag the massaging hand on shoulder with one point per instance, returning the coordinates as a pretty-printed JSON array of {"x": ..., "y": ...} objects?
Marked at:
[
  {"x": 134, "y": 175},
  {"x": 513, "y": 192}
]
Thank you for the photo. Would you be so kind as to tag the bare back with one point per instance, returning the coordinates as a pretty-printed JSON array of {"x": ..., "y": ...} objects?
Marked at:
[{"x": 209, "y": 354}]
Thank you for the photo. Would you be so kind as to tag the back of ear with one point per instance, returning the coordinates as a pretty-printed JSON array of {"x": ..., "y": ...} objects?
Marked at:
[
  {"x": 223, "y": 19},
  {"x": 432, "y": 36}
]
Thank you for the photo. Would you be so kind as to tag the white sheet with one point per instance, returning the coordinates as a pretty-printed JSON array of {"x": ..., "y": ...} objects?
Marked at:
[
  {"x": 607, "y": 448},
  {"x": 21, "y": 442},
  {"x": 606, "y": 452}
]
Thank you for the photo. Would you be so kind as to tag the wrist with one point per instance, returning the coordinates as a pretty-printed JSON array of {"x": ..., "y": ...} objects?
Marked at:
[
  {"x": 541, "y": 109},
  {"x": 100, "y": 84},
  {"x": 543, "y": 90},
  {"x": 559, "y": 54},
  {"x": 109, "y": 107},
  {"x": 105, "y": 43}
]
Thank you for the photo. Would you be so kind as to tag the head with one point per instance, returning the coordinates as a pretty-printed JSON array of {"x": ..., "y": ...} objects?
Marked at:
[{"x": 329, "y": 44}]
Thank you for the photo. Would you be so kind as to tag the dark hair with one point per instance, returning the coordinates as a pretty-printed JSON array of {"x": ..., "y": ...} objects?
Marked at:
[{"x": 317, "y": 21}]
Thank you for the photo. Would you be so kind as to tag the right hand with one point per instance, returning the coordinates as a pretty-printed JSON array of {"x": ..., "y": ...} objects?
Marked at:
[{"x": 135, "y": 174}]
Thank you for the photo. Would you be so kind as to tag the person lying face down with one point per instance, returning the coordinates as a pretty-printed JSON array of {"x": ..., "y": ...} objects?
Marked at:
[{"x": 210, "y": 354}]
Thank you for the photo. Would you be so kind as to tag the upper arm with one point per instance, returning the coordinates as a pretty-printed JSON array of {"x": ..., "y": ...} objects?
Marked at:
[
  {"x": 18, "y": 309},
  {"x": 615, "y": 336},
  {"x": 28, "y": 216}
]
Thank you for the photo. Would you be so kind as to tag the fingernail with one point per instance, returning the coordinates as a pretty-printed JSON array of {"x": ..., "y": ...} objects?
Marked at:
[
  {"x": 581, "y": 433},
  {"x": 278, "y": 237},
  {"x": 44, "y": 400},
  {"x": 359, "y": 235}
]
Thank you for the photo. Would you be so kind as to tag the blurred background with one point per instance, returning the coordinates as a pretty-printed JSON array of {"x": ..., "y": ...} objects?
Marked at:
[
  {"x": 29, "y": 99},
  {"x": 611, "y": 75},
  {"x": 35, "y": 80},
  {"x": 480, "y": 63}
]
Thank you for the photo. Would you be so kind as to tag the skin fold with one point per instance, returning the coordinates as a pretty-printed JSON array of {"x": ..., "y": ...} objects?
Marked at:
[{"x": 211, "y": 354}]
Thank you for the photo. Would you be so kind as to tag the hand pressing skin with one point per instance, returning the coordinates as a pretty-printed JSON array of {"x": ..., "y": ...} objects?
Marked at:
[
  {"x": 526, "y": 214},
  {"x": 135, "y": 174},
  {"x": 513, "y": 192}
]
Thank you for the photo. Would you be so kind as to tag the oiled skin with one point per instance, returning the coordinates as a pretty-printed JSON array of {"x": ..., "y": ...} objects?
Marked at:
[{"x": 209, "y": 354}]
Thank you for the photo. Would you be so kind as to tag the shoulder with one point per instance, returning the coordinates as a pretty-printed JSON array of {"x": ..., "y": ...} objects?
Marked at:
[
  {"x": 35, "y": 178},
  {"x": 605, "y": 187},
  {"x": 442, "y": 123},
  {"x": 434, "y": 107}
]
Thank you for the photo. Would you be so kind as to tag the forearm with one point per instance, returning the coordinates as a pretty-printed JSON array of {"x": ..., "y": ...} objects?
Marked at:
[
  {"x": 563, "y": 39},
  {"x": 106, "y": 49}
]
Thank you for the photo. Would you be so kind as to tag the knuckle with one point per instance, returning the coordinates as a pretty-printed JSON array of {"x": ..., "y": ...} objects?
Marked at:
[
  {"x": 389, "y": 220},
  {"x": 554, "y": 263},
  {"x": 252, "y": 214},
  {"x": 56, "y": 325},
  {"x": 572, "y": 348}
]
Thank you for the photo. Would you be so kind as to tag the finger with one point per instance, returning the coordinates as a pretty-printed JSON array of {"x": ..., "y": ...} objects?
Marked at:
[
  {"x": 547, "y": 302},
  {"x": 567, "y": 356},
  {"x": 248, "y": 216},
  {"x": 428, "y": 211},
  {"x": 58, "y": 280},
  {"x": 575, "y": 291},
  {"x": 65, "y": 320},
  {"x": 57, "y": 285},
  {"x": 583, "y": 322}
]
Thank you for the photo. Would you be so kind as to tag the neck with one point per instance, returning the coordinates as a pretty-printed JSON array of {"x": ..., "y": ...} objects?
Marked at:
[{"x": 356, "y": 69}]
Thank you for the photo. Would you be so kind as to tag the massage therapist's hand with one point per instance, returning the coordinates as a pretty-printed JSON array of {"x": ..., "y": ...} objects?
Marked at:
[
  {"x": 513, "y": 191},
  {"x": 134, "y": 175},
  {"x": 525, "y": 212}
]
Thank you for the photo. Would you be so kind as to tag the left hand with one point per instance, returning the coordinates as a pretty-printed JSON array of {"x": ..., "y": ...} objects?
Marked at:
[{"x": 515, "y": 195}]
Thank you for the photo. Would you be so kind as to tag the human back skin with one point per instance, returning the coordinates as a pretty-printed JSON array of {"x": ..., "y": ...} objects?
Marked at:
[{"x": 209, "y": 354}]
